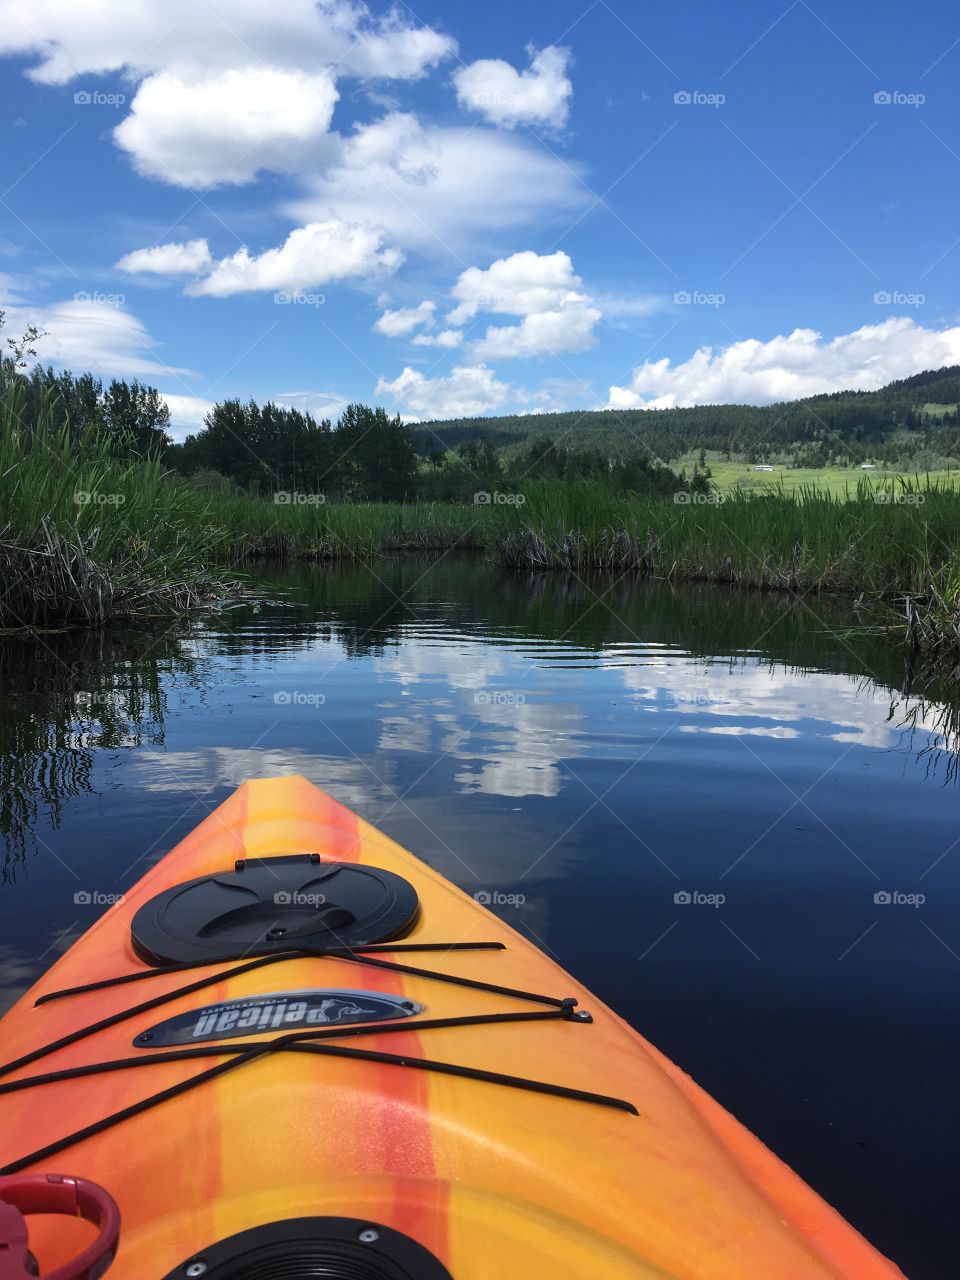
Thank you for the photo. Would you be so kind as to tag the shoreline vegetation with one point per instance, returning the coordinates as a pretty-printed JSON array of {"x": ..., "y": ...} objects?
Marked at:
[{"x": 91, "y": 533}]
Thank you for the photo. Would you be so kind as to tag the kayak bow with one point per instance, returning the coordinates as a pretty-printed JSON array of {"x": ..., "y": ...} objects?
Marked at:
[{"x": 294, "y": 1045}]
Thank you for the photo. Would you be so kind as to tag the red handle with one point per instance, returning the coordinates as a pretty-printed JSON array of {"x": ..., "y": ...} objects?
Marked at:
[{"x": 56, "y": 1193}]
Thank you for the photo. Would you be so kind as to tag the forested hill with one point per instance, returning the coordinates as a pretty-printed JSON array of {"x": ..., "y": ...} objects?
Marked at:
[{"x": 892, "y": 423}]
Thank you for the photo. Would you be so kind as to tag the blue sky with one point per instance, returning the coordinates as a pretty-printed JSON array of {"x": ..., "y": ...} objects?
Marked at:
[{"x": 483, "y": 208}]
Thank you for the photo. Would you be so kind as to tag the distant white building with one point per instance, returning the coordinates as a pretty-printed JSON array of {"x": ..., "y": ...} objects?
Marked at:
[
  {"x": 868, "y": 466},
  {"x": 764, "y": 468}
]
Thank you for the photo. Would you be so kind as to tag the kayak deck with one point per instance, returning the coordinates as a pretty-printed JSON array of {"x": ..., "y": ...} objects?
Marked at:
[{"x": 651, "y": 1178}]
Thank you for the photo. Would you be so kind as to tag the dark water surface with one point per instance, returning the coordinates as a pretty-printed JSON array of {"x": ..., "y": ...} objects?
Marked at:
[{"x": 589, "y": 756}]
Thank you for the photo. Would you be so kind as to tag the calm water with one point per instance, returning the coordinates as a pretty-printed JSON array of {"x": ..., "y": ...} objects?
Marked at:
[{"x": 594, "y": 755}]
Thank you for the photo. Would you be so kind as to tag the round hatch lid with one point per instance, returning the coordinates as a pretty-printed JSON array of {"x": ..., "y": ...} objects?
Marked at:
[
  {"x": 337, "y": 1248},
  {"x": 274, "y": 904}
]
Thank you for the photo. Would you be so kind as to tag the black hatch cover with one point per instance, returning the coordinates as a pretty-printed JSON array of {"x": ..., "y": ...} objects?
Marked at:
[
  {"x": 274, "y": 904},
  {"x": 338, "y": 1248}
]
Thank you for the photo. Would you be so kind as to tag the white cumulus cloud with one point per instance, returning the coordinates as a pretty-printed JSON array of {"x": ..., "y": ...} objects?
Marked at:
[
  {"x": 790, "y": 367},
  {"x": 139, "y": 37},
  {"x": 445, "y": 338},
  {"x": 467, "y": 390},
  {"x": 224, "y": 90},
  {"x": 507, "y": 97},
  {"x": 397, "y": 324},
  {"x": 396, "y": 51},
  {"x": 224, "y": 128},
  {"x": 188, "y": 258},
  {"x": 313, "y": 255},
  {"x": 520, "y": 285},
  {"x": 544, "y": 290},
  {"x": 436, "y": 188},
  {"x": 545, "y": 333}
]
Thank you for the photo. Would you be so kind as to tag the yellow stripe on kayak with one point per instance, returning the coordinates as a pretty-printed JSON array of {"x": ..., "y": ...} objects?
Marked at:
[{"x": 496, "y": 1182}]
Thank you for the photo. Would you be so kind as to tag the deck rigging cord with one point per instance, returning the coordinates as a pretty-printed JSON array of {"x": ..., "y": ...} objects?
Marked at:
[
  {"x": 559, "y": 1008},
  {"x": 261, "y": 962}
]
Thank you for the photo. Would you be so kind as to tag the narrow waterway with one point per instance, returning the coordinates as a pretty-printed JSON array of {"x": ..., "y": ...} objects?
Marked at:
[{"x": 731, "y": 818}]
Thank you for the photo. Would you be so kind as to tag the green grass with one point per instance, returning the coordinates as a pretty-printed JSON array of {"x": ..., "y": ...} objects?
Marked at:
[
  {"x": 85, "y": 536},
  {"x": 89, "y": 537},
  {"x": 841, "y": 481},
  {"x": 253, "y": 527},
  {"x": 897, "y": 546},
  {"x": 872, "y": 540}
]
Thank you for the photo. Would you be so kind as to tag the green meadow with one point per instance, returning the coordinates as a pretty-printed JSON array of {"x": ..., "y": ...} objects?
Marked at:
[{"x": 841, "y": 481}]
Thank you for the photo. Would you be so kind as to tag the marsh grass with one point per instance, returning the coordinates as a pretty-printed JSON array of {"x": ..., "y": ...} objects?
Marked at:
[
  {"x": 874, "y": 542},
  {"x": 895, "y": 545},
  {"x": 87, "y": 535}
]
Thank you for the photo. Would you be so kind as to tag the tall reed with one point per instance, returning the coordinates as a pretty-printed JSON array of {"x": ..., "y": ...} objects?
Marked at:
[{"x": 87, "y": 534}]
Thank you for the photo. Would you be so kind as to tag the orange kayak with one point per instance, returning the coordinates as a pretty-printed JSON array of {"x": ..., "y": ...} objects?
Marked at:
[{"x": 293, "y": 1045}]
